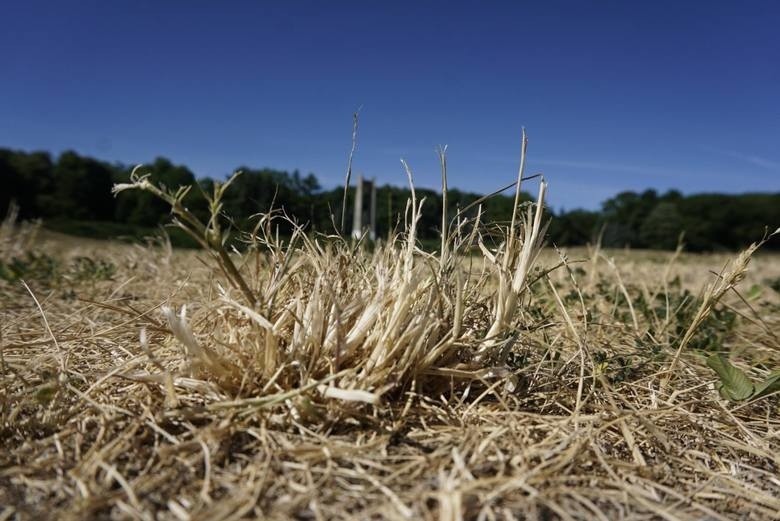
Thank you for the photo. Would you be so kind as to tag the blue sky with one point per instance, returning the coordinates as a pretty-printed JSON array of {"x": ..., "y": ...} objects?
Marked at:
[{"x": 615, "y": 95}]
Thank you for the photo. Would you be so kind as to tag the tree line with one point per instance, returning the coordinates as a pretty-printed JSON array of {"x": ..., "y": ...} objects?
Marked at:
[{"x": 73, "y": 193}]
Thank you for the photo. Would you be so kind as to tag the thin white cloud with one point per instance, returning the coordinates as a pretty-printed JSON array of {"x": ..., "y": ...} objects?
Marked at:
[
  {"x": 606, "y": 167},
  {"x": 653, "y": 174},
  {"x": 603, "y": 166},
  {"x": 749, "y": 158}
]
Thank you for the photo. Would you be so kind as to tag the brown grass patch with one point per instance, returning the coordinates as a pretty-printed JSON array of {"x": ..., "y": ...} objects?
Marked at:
[{"x": 336, "y": 382}]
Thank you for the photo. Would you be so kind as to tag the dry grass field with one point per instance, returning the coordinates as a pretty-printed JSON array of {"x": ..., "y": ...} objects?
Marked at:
[{"x": 318, "y": 379}]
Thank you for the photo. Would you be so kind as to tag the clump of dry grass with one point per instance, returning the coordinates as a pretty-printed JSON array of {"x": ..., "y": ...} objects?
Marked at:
[
  {"x": 320, "y": 312},
  {"x": 311, "y": 377}
]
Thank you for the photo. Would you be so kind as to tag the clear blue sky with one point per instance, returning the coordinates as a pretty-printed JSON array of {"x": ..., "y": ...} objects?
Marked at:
[{"x": 615, "y": 96}]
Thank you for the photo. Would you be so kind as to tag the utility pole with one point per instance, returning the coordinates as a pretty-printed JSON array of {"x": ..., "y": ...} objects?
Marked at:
[{"x": 363, "y": 214}]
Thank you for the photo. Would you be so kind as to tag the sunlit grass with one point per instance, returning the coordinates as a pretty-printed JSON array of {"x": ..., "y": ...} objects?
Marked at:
[{"x": 316, "y": 377}]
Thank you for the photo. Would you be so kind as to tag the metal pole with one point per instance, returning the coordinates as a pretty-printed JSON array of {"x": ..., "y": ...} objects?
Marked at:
[
  {"x": 357, "y": 222},
  {"x": 372, "y": 210}
]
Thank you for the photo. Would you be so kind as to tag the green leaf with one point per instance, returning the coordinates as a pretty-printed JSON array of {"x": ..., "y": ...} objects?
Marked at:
[
  {"x": 734, "y": 384},
  {"x": 768, "y": 386},
  {"x": 754, "y": 292}
]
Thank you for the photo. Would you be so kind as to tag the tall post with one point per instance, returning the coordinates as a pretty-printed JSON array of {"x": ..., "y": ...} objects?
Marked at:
[
  {"x": 389, "y": 215},
  {"x": 357, "y": 221},
  {"x": 372, "y": 211}
]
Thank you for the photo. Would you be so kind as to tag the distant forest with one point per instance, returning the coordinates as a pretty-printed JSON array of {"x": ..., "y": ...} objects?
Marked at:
[{"x": 72, "y": 193}]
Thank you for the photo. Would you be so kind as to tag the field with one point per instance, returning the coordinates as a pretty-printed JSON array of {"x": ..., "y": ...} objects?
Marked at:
[{"x": 323, "y": 379}]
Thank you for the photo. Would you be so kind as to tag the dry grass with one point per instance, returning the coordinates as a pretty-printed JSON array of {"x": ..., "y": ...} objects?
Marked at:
[{"x": 336, "y": 382}]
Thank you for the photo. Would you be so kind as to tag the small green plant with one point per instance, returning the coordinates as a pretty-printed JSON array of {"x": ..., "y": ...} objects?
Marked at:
[
  {"x": 45, "y": 268},
  {"x": 736, "y": 386},
  {"x": 87, "y": 268},
  {"x": 29, "y": 266},
  {"x": 615, "y": 368}
]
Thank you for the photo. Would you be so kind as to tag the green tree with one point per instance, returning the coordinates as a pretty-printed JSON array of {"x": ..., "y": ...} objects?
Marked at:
[
  {"x": 27, "y": 180},
  {"x": 574, "y": 228},
  {"x": 82, "y": 189},
  {"x": 661, "y": 229}
]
